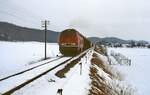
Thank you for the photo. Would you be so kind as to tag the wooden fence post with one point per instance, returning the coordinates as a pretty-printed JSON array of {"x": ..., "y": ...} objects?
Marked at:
[{"x": 80, "y": 68}]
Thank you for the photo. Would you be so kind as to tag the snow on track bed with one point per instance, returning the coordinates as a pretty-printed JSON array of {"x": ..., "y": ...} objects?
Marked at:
[
  {"x": 13, "y": 84},
  {"x": 10, "y": 83},
  {"x": 72, "y": 84},
  {"x": 38, "y": 64}
]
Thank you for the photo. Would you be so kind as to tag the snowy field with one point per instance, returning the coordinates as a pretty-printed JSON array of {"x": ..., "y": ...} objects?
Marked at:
[
  {"x": 138, "y": 73},
  {"x": 15, "y": 56}
]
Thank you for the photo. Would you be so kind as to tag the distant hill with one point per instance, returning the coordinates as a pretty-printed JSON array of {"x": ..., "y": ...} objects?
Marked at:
[
  {"x": 11, "y": 32},
  {"x": 114, "y": 40},
  {"x": 107, "y": 39},
  {"x": 95, "y": 39}
]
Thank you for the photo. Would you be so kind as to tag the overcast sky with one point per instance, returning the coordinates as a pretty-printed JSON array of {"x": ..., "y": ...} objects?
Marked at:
[{"x": 127, "y": 19}]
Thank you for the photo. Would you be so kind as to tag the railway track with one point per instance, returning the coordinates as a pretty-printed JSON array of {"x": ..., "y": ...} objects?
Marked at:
[
  {"x": 10, "y": 85},
  {"x": 23, "y": 78},
  {"x": 31, "y": 68}
]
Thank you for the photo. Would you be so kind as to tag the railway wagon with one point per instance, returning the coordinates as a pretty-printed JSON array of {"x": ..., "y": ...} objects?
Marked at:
[{"x": 71, "y": 42}]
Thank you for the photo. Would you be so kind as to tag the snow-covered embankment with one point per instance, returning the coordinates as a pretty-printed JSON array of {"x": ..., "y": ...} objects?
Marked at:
[{"x": 105, "y": 79}]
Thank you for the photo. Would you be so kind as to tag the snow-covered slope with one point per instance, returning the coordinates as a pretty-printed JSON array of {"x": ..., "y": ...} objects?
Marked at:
[{"x": 105, "y": 79}]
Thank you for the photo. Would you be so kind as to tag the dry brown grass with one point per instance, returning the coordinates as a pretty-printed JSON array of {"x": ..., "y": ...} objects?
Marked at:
[
  {"x": 106, "y": 68},
  {"x": 100, "y": 85},
  {"x": 61, "y": 73},
  {"x": 102, "y": 50}
]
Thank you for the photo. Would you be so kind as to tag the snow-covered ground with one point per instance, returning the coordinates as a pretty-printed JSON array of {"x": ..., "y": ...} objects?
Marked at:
[
  {"x": 73, "y": 84},
  {"x": 8, "y": 84},
  {"x": 16, "y": 56},
  {"x": 138, "y": 73}
]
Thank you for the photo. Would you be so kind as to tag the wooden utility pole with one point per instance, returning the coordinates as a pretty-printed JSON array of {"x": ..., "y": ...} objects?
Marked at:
[{"x": 44, "y": 25}]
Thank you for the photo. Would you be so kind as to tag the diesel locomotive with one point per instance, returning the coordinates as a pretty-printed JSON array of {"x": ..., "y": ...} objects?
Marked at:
[{"x": 71, "y": 42}]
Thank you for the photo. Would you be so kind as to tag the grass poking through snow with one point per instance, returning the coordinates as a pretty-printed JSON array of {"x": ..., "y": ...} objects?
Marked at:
[
  {"x": 106, "y": 80},
  {"x": 61, "y": 73}
]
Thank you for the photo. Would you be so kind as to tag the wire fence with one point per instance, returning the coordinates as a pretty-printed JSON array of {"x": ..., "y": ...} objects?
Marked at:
[{"x": 120, "y": 58}]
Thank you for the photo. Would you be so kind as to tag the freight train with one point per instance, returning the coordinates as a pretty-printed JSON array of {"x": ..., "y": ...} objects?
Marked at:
[{"x": 71, "y": 42}]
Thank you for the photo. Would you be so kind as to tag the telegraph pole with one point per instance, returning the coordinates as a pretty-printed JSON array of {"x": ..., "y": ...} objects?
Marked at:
[{"x": 44, "y": 25}]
